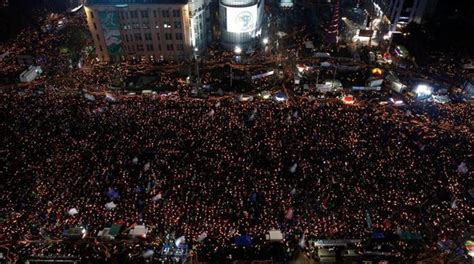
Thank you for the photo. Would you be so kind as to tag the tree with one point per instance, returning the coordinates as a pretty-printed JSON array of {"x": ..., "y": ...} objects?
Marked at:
[{"x": 74, "y": 41}]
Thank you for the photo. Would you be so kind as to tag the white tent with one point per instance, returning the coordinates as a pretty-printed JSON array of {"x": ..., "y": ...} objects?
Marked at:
[
  {"x": 110, "y": 205},
  {"x": 138, "y": 231},
  {"x": 73, "y": 212},
  {"x": 275, "y": 235}
]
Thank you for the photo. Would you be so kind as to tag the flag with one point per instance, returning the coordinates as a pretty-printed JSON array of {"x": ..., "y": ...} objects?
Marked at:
[
  {"x": 89, "y": 97},
  {"x": 293, "y": 168},
  {"x": 462, "y": 168},
  {"x": 302, "y": 242},
  {"x": 252, "y": 116},
  {"x": 454, "y": 204},
  {"x": 293, "y": 191},
  {"x": 110, "y": 98},
  {"x": 202, "y": 236},
  {"x": 156, "y": 197},
  {"x": 112, "y": 193},
  {"x": 367, "y": 219},
  {"x": 289, "y": 214},
  {"x": 180, "y": 240},
  {"x": 147, "y": 166}
]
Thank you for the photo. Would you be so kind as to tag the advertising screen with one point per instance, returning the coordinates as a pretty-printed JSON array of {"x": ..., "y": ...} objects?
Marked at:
[{"x": 241, "y": 19}]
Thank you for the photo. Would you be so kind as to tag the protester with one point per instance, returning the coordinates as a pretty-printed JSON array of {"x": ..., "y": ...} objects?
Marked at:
[{"x": 227, "y": 173}]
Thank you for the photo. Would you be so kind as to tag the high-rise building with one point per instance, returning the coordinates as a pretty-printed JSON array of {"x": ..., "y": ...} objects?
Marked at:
[
  {"x": 403, "y": 12},
  {"x": 158, "y": 29},
  {"x": 240, "y": 22},
  {"x": 200, "y": 26}
]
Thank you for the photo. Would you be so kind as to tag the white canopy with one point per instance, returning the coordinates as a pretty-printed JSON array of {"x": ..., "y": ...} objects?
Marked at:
[
  {"x": 73, "y": 211},
  {"x": 110, "y": 205}
]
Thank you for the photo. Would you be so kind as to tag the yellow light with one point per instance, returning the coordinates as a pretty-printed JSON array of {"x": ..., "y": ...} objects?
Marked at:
[{"x": 377, "y": 71}]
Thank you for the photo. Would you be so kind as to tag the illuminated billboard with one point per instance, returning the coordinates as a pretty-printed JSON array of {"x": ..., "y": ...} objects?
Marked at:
[{"x": 242, "y": 19}]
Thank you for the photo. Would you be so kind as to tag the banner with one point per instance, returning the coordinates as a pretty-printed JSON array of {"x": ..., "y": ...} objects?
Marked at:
[
  {"x": 111, "y": 29},
  {"x": 365, "y": 88},
  {"x": 242, "y": 19},
  {"x": 263, "y": 75}
]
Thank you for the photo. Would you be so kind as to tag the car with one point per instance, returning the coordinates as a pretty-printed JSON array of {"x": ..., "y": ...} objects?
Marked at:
[
  {"x": 75, "y": 233},
  {"x": 396, "y": 101},
  {"x": 265, "y": 95},
  {"x": 280, "y": 97},
  {"x": 245, "y": 98}
]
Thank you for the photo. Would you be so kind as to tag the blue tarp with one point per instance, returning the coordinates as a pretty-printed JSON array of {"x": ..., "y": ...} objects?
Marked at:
[
  {"x": 378, "y": 235},
  {"x": 243, "y": 240}
]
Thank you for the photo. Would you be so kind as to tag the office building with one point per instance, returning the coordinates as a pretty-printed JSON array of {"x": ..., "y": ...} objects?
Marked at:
[
  {"x": 147, "y": 29},
  {"x": 200, "y": 25},
  {"x": 403, "y": 12}
]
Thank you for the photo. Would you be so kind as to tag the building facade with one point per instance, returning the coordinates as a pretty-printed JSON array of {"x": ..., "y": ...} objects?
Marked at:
[
  {"x": 403, "y": 12},
  {"x": 240, "y": 22},
  {"x": 200, "y": 25},
  {"x": 145, "y": 29}
]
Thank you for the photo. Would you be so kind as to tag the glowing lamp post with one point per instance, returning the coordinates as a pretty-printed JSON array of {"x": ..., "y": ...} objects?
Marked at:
[{"x": 237, "y": 52}]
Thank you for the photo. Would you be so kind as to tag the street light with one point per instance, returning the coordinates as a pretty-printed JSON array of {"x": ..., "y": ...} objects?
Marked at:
[
  {"x": 237, "y": 50},
  {"x": 196, "y": 59},
  {"x": 265, "y": 41}
]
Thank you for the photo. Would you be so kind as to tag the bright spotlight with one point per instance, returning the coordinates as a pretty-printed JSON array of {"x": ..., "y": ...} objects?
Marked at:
[
  {"x": 423, "y": 90},
  {"x": 196, "y": 49},
  {"x": 265, "y": 41},
  {"x": 237, "y": 50}
]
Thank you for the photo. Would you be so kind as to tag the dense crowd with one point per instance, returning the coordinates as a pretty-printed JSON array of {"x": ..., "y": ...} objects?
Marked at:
[
  {"x": 191, "y": 167},
  {"x": 217, "y": 168}
]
